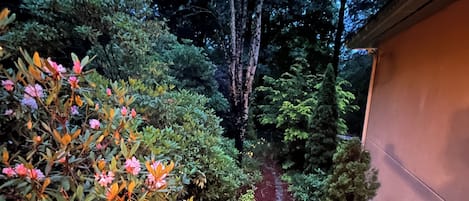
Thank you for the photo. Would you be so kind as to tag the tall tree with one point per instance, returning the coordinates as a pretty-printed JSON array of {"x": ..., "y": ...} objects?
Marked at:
[
  {"x": 338, "y": 37},
  {"x": 322, "y": 143},
  {"x": 242, "y": 70}
]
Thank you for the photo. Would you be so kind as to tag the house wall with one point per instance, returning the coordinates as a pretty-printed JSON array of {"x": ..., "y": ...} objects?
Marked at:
[{"x": 418, "y": 126}]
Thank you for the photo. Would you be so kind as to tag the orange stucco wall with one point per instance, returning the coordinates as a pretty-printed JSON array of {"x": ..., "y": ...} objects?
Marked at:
[{"x": 418, "y": 126}]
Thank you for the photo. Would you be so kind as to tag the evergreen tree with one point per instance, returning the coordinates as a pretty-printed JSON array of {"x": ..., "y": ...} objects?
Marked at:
[
  {"x": 287, "y": 105},
  {"x": 321, "y": 145},
  {"x": 352, "y": 178}
]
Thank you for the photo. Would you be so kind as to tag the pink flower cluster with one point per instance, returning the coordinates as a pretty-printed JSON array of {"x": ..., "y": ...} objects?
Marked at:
[
  {"x": 95, "y": 124},
  {"x": 124, "y": 112},
  {"x": 132, "y": 166},
  {"x": 21, "y": 171},
  {"x": 34, "y": 91},
  {"x": 30, "y": 93},
  {"x": 104, "y": 179},
  {"x": 9, "y": 112},
  {"x": 8, "y": 85},
  {"x": 155, "y": 183},
  {"x": 73, "y": 81},
  {"x": 74, "y": 110},
  {"x": 58, "y": 68},
  {"x": 133, "y": 113},
  {"x": 159, "y": 182},
  {"x": 77, "y": 67}
]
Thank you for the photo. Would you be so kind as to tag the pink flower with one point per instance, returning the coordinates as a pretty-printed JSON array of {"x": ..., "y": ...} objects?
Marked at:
[
  {"x": 156, "y": 178},
  {"x": 124, "y": 111},
  {"x": 133, "y": 113},
  {"x": 108, "y": 92},
  {"x": 35, "y": 174},
  {"x": 8, "y": 85},
  {"x": 62, "y": 160},
  {"x": 58, "y": 68},
  {"x": 8, "y": 112},
  {"x": 77, "y": 68},
  {"x": 30, "y": 102},
  {"x": 10, "y": 172},
  {"x": 94, "y": 124},
  {"x": 73, "y": 82},
  {"x": 155, "y": 184},
  {"x": 34, "y": 91},
  {"x": 21, "y": 170},
  {"x": 104, "y": 179},
  {"x": 132, "y": 166},
  {"x": 74, "y": 110},
  {"x": 99, "y": 146}
]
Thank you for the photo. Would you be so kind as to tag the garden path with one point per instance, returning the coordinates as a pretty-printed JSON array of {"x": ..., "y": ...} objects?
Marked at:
[{"x": 271, "y": 188}]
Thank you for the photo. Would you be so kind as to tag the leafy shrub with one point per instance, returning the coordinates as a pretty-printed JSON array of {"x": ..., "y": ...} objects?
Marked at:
[
  {"x": 351, "y": 178},
  {"x": 65, "y": 143},
  {"x": 179, "y": 125},
  {"x": 127, "y": 37},
  {"x": 306, "y": 187},
  {"x": 248, "y": 196},
  {"x": 194, "y": 71}
]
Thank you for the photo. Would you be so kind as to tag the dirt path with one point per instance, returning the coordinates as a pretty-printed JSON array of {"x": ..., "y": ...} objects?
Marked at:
[{"x": 271, "y": 188}]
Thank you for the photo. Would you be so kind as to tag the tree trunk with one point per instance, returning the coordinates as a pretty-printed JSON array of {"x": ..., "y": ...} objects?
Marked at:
[
  {"x": 240, "y": 82},
  {"x": 338, "y": 37},
  {"x": 252, "y": 65}
]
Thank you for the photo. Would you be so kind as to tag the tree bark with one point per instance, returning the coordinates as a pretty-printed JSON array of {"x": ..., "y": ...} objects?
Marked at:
[
  {"x": 252, "y": 66},
  {"x": 240, "y": 81},
  {"x": 338, "y": 37}
]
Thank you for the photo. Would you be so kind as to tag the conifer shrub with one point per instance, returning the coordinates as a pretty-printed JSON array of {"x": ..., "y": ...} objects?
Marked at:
[
  {"x": 322, "y": 141},
  {"x": 352, "y": 177}
]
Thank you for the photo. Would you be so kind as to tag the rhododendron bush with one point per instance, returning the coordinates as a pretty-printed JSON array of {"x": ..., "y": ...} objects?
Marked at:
[
  {"x": 64, "y": 138},
  {"x": 69, "y": 133},
  {"x": 178, "y": 125}
]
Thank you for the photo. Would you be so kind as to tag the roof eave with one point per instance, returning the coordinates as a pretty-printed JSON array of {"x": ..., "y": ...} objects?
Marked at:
[{"x": 395, "y": 17}]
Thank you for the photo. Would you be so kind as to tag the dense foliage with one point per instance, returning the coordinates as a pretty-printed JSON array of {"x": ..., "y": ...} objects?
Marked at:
[
  {"x": 65, "y": 142},
  {"x": 307, "y": 187},
  {"x": 352, "y": 177},
  {"x": 137, "y": 118},
  {"x": 321, "y": 145},
  {"x": 289, "y": 104},
  {"x": 126, "y": 38},
  {"x": 174, "y": 124}
]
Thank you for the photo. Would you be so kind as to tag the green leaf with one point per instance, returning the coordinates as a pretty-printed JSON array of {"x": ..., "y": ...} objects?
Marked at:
[
  {"x": 124, "y": 150},
  {"x": 74, "y": 57},
  {"x": 134, "y": 149},
  {"x": 90, "y": 197},
  {"x": 9, "y": 183},
  {"x": 65, "y": 183},
  {"x": 113, "y": 165}
]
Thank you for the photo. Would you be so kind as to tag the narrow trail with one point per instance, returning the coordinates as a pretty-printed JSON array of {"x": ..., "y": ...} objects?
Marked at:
[{"x": 271, "y": 188}]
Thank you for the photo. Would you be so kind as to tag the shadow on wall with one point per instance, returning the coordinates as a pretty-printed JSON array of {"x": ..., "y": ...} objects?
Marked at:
[
  {"x": 386, "y": 67},
  {"x": 457, "y": 157},
  {"x": 394, "y": 163}
]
